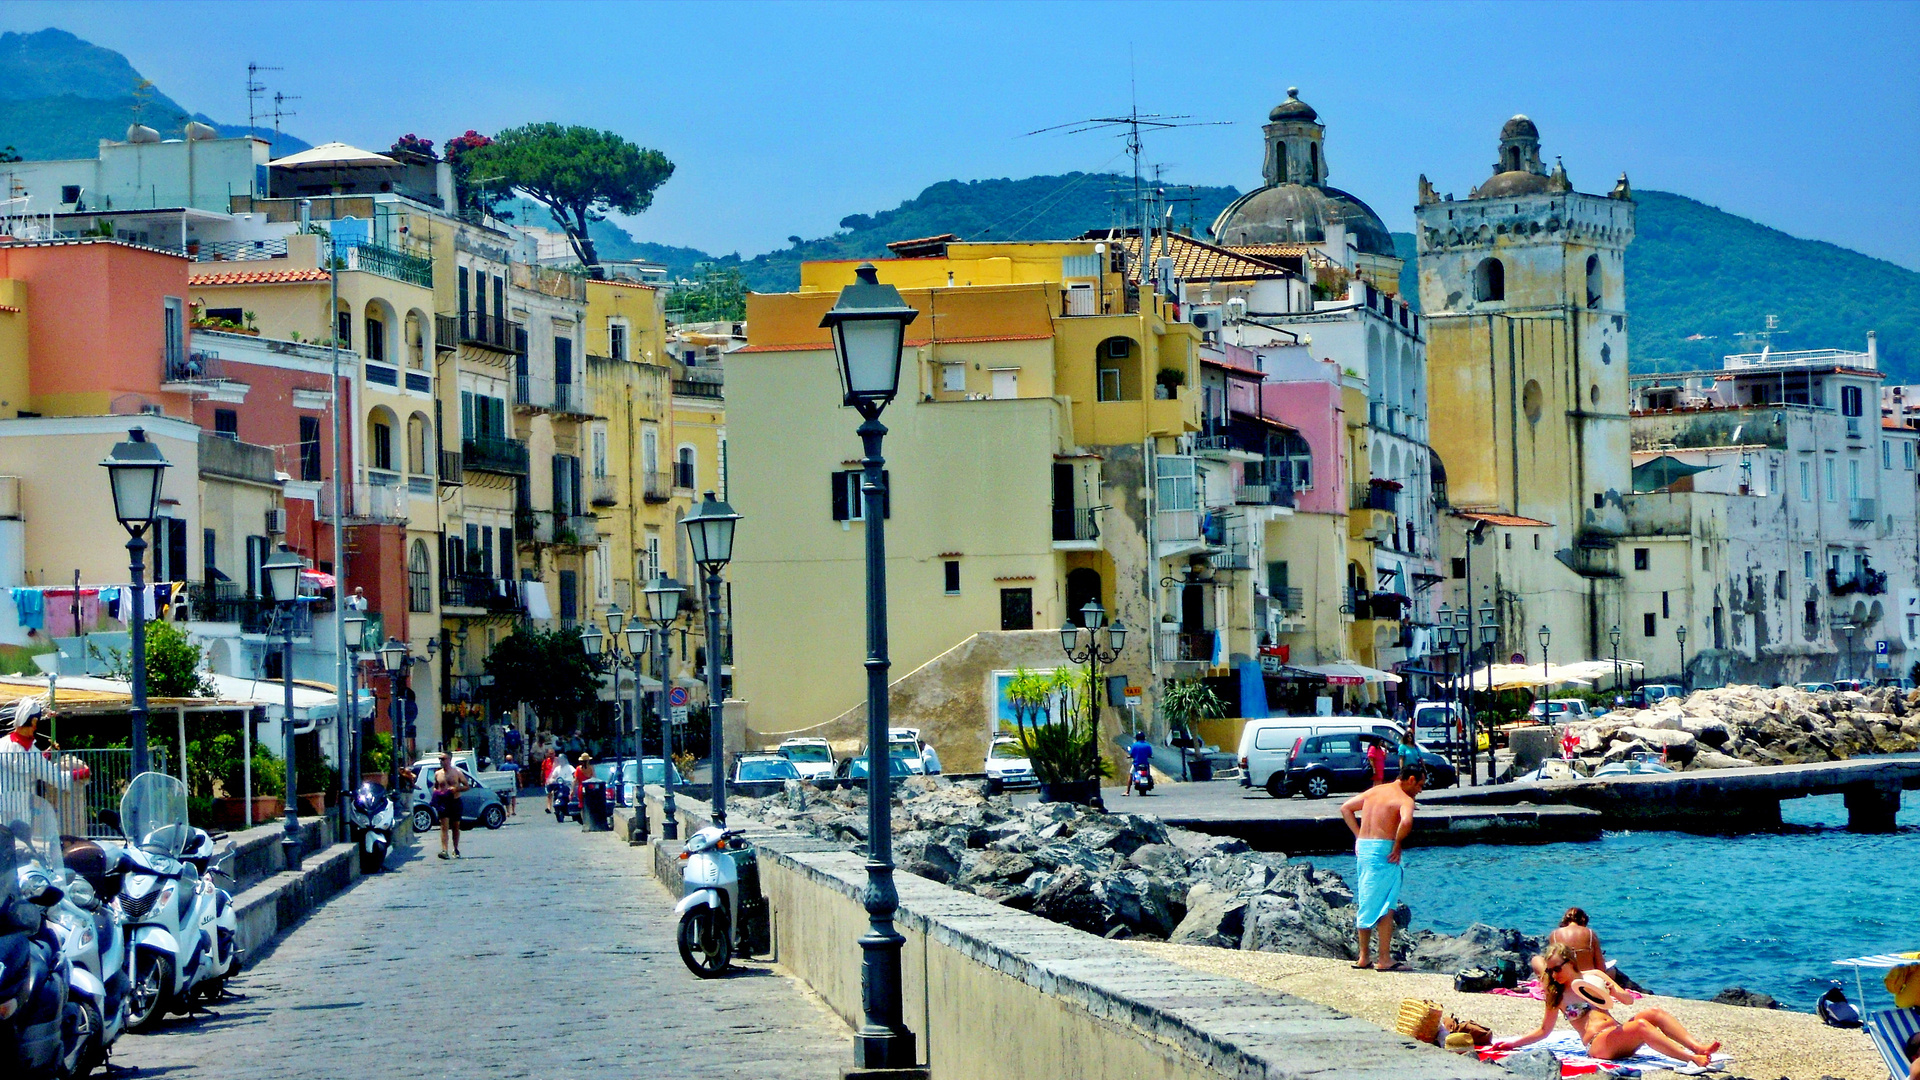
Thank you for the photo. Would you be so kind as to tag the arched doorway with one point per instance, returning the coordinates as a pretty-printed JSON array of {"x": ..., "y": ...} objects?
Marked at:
[{"x": 1083, "y": 585}]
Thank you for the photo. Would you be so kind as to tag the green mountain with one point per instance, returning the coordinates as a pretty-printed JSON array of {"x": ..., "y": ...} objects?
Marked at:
[
  {"x": 1037, "y": 208},
  {"x": 1698, "y": 278},
  {"x": 59, "y": 96}
]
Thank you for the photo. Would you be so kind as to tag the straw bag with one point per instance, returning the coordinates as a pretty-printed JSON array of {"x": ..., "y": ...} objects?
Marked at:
[{"x": 1419, "y": 1020}]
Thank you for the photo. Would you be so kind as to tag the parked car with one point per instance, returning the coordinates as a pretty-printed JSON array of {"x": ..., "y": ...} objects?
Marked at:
[
  {"x": 499, "y": 781},
  {"x": 603, "y": 771},
  {"x": 855, "y": 768},
  {"x": 478, "y": 804},
  {"x": 1647, "y": 694},
  {"x": 1854, "y": 685},
  {"x": 1320, "y": 765},
  {"x": 1007, "y": 765},
  {"x": 1816, "y": 687},
  {"x": 1560, "y": 710},
  {"x": 813, "y": 758},
  {"x": 762, "y": 774},
  {"x": 1265, "y": 744}
]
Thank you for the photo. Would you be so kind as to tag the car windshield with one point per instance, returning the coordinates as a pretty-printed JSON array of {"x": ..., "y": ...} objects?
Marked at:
[
  {"x": 767, "y": 769},
  {"x": 1007, "y": 751},
  {"x": 603, "y": 771},
  {"x": 811, "y": 754}
]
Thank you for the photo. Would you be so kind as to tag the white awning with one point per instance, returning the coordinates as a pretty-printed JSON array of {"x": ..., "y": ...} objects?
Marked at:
[
  {"x": 1346, "y": 673},
  {"x": 333, "y": 155}
]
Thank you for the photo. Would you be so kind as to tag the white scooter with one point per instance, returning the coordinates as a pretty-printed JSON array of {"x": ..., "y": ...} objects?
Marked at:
[
  {"x": 722, "y": 908},
  {"x": 89, "y": 928},
  {"x": 180, "y": 929},
  {"x": 371, "y": 814}
]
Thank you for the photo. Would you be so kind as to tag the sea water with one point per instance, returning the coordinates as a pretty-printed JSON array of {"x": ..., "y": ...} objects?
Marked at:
[{"x": 1688, "y": 916}]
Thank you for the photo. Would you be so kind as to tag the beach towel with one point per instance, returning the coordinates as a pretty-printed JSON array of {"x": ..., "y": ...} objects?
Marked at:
[
  {"x": 1572, "y": 1053},
  {"x": 1529, "y": 989},
  {"x": 1379, "y": 887}
]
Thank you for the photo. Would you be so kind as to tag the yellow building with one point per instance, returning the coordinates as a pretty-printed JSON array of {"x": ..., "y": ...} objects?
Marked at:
[{"x": 1037, "y": 460}]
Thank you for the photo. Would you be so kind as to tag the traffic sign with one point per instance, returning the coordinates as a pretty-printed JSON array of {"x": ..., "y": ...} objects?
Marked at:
[
  {"x": 678, "y": 698},
  {"x": 679, "y": 714},
  {"x": 1880, "y": 648}
]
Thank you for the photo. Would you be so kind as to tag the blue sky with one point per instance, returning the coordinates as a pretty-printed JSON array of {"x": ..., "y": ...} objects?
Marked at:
[{"x": 783, "y": 118}]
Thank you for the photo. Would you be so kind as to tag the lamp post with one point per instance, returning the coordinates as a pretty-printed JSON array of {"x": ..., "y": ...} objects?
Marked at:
[
  {"x": 663, "y": 607},
  {"x": 135, "y": 471},
  {"x": 1613, "y": 636},
  {"x": 869, "y": 324},
  {"x": 1489, "y": 634},
  {"x": 353, "y": 635},
  {"x": 710, "y": 536},
  {"x": 393, "y": 657},
  {"x": 1093, "y": 617},
  {"x": 616, "y": 659},
  {"x": 1545, "y": 686},
  {"x": 282, "y": 570},
  {"x": 1680, "y": 632}
]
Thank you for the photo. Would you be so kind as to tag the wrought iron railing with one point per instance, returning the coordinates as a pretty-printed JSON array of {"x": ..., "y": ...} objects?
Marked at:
[
  {"x": 494, "y": 454},
  {"x": 236, "y": 250},
  {"x": 490, "y": 331},
  {"x": 389, "y": 262},
  {"x": 1074, "y": 523},
  {"x": 699, "y": 389},
  {"x": 658, "y": 486}
]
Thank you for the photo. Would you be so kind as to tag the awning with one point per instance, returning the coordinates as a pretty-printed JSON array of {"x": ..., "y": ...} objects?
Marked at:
[
  {"x": 1524, "y": 676},
  {"x": 1882, "y": 960},
  {"x": 334, "y": 155},
  {"x": 316, "y": 579},
  {"x": 1662, "y": 471},
  {"x": 1350, "y": 674}
]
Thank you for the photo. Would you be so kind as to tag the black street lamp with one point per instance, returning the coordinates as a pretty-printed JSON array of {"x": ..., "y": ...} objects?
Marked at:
[
  {"x": 135, "y": 471},
  {"x": 663, "y": 607},
  {"x": 1680, "y": 632},
  {"x": 1093, "y": 617},
  {"x": 1545, "y": 636},
  {"x": 869, "y": 324},
  {"x": 710, "y": 535},
  {"x": 1613, "y": 636},
  {"x": 353, "y": 624},
  {"x": 282, "y": 570},
  {"x": 394, "y": 658}
]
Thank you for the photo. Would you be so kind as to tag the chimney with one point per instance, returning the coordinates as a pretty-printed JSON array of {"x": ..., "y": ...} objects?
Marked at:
[{"x": 1873, "y": 350}]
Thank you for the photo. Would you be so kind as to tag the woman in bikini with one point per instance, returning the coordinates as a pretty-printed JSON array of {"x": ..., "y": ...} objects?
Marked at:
[
  {"x": 1575, "y": 934},
  {"x": 1605, "y": 1037}
]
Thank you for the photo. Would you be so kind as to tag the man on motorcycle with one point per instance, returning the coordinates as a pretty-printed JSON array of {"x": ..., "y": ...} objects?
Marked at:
[
  {"x": 559, "y": 775},
  {"x": 1140, "y": 752}
]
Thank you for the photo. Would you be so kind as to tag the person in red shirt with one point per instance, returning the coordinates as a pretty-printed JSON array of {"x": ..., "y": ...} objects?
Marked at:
[{"x": 1377, "y": 757}]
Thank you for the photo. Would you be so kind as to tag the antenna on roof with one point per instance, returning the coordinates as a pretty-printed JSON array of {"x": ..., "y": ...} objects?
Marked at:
[
  {"x": 255, "y": 88},
  {"x": 279, "y": 100}
]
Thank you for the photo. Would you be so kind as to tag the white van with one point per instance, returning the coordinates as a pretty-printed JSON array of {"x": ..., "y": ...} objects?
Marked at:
[
  {"x": 1438, "y": 723},
  {"x": 1266, "y": 744}
]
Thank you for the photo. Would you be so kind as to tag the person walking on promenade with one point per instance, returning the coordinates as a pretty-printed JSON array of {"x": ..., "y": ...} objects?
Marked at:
[
  {"x": 1377, "y": 757},
  {"x": 448, "y": 783},
  {"x": 1380, "y": 818}
]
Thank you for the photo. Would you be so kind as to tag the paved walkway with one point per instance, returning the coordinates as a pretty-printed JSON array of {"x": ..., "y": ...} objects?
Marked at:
[{"x": 543, "y": 954}]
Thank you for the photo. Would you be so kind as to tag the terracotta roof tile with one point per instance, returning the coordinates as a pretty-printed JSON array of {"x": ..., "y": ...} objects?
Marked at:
[
  {"x": 1493, "y": 518},
  {"x": 1195, "y": 260},
  {"x": 261, "y": 277},
  {"x": 825, "y": 346},
  {"x": 1282, "y": 251}
]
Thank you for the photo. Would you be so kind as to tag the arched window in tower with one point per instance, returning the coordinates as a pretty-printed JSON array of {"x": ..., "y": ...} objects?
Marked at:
[
  {"x": 419, "y": 578},
  {"x": 1280, "y": 160},
  {"x": 1313, "y": 160},
  {"x": 1593, "y": 281},
  {"x": 1490, "y": 280}
]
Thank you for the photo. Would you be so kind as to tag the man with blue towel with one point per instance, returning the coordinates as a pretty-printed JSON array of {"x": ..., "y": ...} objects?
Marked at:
[{"x": 1381, "y": 817}]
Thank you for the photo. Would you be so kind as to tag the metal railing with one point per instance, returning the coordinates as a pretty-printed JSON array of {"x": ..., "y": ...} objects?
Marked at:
[
  {"x": 1376, "y": 497},
  {"x": 1290, "y": 601},
  {"x": 699, "y": 388},
  {"x": 658, "y": 486},
  {"x": 77, "y": 802},
  {"x": 606, "y": 490},
  {"x": 532, "y": 393},
  {"x": 489, "y": 453},
  {"x": 390, "y": 263},
  {"x": 194, "y": 367},
  {"x": 572, "y": 398},
  {"x": 579, "y": 530},
  {"x": 236, "y": 250},
  {"x": 490, "y": 331},
  {"x": 496, "y": 595},
  {"x": 1176, "y": 647},
  {"x": 1869, "y": 581},
  {"x": 446, "y": 332},
  {"x": 1074, "y": 523},
  {"x": 376, "y": 503}
]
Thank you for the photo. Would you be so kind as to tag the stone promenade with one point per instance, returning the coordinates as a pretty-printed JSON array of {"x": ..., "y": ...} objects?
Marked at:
[{"x": 545, "y": 953}]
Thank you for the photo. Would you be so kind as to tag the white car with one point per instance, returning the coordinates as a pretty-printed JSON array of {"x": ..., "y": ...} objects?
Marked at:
[
  {"x": 812, "y": 758},
  {"x": 501, "y": 782},
  {"x": 1007, "y": 764}
]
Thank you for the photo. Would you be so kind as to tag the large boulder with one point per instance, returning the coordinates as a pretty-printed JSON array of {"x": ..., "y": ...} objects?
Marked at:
[
  {"x": 1277, "y": 922},
  {"x": 1479, "y": 946},
  {"x": 1214, "y": 917}
]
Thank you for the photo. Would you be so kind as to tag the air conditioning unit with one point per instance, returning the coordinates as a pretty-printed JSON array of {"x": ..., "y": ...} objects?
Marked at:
[
  {"x": 276, "y": 522},
  {"x": 1206, "y": 320}
]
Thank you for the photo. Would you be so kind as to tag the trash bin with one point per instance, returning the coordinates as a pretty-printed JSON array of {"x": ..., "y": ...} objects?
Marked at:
[
  {"x": 1200, "y": 768},
  {"x": 596, "y": 815}
]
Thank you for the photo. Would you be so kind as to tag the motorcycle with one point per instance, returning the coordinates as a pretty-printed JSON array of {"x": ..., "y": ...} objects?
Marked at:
[
  {"x": 562, "y": 800},
  {"x": 90, "y": 936},
  {"x": 722, "y": 907},
  {"x": 34, "y": 973},
  {"x": 1143, "y": 778},
  {"x": 372, "y": 817},
  {"x": 180, "y": 928}
]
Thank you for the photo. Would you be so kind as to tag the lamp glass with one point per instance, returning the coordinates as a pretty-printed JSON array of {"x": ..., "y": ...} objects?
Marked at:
[
  {"x": 663, "y": 600},
  {"x": 355, "y": 625},
  {"x": 615, "y": 620},
  {"x": 393, "y": 655},
  {"x": 710, "y": 533},
  {"x": 1613, "y": 635},
  {"x": 593, "y": 640},
  {"x": 1093, "y": 616},
  {"x": 135, "y": 470},
  {"x": 637, "y": 635},
  {"x": 283, "y": 575},
  {"x": 1545, "y": 634},
  {"x": 869, "y": 352},
  {"x": 1117, "y": 635},
  {"x": 1069, "y": 636}
]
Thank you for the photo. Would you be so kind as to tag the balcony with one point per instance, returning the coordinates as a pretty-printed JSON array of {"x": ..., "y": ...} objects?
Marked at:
[
  {"x": 494, "y": 454},
  {"x": 1379, "y": 605},
  {"x": 572, "y": 398},
  {"x": 656, "y": 486},
  {"x": 1863, "y": 510},
  {"x": 494, "y": 332},
  {"x": 1866, "y": 580},
  {"x": 1178, "y": 647},
  {"x": 1263, "y": 495},
  {"x": 494, "y": 595},
  {"x": 606, "y": 491},
  {"x": 367, "y": 504},
  {"x": 1074, "y": 529},
  {"x": 695, "y": 388},
  {"x": 446, "y": 332},
  {"x": 197, "y": 368},
  {"x": 577, "y": 530},
  {"x": 452, "y": 469},
  {"x": 223, "y": 602},
  {"x": 533, "y": 526},
  {"x": 236, "y": 250},
  {"x": 235, "y": 460},
  {"x": 683, "y": 475},
  {"x": 1377, "y": 495},
  {"x": 390, "y": 263},
  {"x": 531, "y": 394}
]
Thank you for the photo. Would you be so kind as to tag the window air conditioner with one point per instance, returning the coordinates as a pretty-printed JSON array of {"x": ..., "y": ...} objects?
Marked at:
[{"x": 276, "y": 522}]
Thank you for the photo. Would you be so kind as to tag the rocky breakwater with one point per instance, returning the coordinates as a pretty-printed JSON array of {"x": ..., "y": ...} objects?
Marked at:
[
  {"x": 1737, "y": 726},
  {"x": 1123, "y": 875}
]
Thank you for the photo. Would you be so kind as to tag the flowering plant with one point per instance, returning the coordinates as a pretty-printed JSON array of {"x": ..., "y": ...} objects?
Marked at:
[{"x": 413, "y": 144}]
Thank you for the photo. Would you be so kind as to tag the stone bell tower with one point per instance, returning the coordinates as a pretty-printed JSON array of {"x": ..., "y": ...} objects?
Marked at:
[{"x": 1295, "y": 143}]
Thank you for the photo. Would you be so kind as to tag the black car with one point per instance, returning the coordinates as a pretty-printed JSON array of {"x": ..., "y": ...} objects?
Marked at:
[{"x": 1323, "y": 764}]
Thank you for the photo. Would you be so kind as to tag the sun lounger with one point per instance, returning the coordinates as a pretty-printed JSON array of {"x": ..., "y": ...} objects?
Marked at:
[{"x": 1891, "y": 1029}]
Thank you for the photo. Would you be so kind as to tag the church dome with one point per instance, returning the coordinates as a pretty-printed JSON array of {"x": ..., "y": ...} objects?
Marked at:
[
  {"x": 1262, "y": 217},
  {"x": 1519, "y": 128},
  {"x": 1293, "y": 108},
  {"x": 1505, "y": 184}
]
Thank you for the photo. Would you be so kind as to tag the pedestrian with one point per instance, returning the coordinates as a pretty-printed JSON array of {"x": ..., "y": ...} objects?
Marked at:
[
  {"x": 513, "y": 789},
  {"x": 1409, "y": 751},
  {"x": 448, "y": 783},
  {"x": 1381, "y": 818},
  {"x": 511, "y": 739},
  {"x": 929, "y": 760},
  {"x": 1377, "y": 757}
]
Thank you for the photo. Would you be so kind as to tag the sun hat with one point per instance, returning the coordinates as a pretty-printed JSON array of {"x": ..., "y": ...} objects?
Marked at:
[{"x": 583, "y": 759}]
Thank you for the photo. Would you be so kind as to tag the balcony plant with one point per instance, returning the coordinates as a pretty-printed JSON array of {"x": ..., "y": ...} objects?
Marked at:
[
  {"x": 1064, "y": 751},
  {"x": 1168, "y": 382}
]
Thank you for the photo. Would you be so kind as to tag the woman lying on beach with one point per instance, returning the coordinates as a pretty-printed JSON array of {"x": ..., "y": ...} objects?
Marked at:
[{"x": 1583, "y": 998}]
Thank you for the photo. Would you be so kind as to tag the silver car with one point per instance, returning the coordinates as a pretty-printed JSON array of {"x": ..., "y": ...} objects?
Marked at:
[{"x": 478, "y": 806}]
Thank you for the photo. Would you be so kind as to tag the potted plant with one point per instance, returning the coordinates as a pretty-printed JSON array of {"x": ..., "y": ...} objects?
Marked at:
[
  {"x": 1064, "y": 751},
  {"x": 1167, "y": 383},
  {"x": 1184, "y": 703}
]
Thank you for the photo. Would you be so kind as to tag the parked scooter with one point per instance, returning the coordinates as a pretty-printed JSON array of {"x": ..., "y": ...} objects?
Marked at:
[
  {"x": 180, "y": 929},
  {"x": 722, "y": 909},
  {"x": 95, "y": 948},
  {"x": 371, "y": 814},
  {"x": 34, "y": 974}
]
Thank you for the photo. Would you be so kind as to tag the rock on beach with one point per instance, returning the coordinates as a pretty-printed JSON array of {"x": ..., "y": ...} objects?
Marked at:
[{"x": 1736, "y": 726}]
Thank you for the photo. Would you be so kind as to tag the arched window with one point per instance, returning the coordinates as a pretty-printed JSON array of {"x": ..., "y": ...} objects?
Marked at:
[
  {"x": 1117, "y": 369},
  {"x": 1083, "y": 585},
  {"x": 1313, "y": 160},
  {"x": 1593, "y": 281},
  {"x": 380, "y": 424},
  {"x": 1294, "y": 461},
  {"x": 1490, "y": 280},
  {"x": 420, "y": 448},
  {"x": 419, "y": 578},
  {"x": 683, "y": 474}
]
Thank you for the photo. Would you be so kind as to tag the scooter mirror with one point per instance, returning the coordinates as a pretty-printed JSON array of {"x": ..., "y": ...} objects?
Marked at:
[{"x": 110, "y": 817}]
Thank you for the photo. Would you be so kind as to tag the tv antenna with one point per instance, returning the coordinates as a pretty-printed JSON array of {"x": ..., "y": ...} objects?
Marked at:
[
  {"x": 255, "y": 89},
  {"x": 279, "y": 111}
]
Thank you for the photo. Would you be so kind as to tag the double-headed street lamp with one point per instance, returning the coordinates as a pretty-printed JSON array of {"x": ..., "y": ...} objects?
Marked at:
[
  {"x": 710, "y": 535},
  {"x": 617, "y": 657},
  {"x": 135, "y": 470},
  {"x": 282, "y": 570},
  {"x": 663, "y": 607},
  {"x": 1093, "y": 617},
  {"x": 869, "y": 324}
]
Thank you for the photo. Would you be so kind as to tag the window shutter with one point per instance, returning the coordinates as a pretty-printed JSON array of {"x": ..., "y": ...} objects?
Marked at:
[
  {"x": 506, "y": 553},
  {"x": 559, "y": 469},
  {"x": 839, "y": 496},
  {"x": 466, "y": 414},
  {"x": 575, "y": 504}
]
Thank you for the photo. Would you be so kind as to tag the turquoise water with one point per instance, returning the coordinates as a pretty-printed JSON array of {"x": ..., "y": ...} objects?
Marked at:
[{"x": 1688, "y": 915}]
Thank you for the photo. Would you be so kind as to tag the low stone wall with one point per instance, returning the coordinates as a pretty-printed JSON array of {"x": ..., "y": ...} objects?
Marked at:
[
  {"x": 257, "y": 854},
  {"x": 992, "y": 992},
  {"x": 287, "y": 897}
]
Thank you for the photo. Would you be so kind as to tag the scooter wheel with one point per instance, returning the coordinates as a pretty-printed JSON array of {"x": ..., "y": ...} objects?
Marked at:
[
  {"x": 706, "y": 942},
  {"x": 80, "y": 1033},
  {"x": 152, "y": 993}
]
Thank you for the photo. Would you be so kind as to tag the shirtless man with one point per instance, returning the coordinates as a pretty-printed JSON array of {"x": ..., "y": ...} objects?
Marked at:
[
  {"x": 448, "y": 783},
  {"x": 1381, "y": 817}
]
